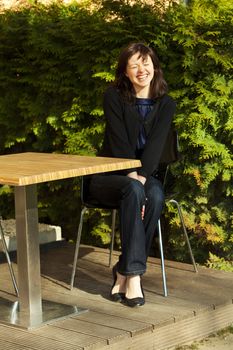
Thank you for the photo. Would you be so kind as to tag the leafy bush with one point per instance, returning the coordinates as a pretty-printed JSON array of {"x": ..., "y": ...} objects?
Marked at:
[
  {"x": 55, "y": 63},
  {"x": 217, "y": 263},
  {"x": 203, "y": 89}
]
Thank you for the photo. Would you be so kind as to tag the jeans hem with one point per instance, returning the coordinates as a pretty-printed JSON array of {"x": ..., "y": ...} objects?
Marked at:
[{"x": 132, "y": 273}]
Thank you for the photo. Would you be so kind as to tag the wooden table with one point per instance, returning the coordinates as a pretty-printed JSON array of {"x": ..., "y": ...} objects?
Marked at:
[{"x": 24, "y": 171}]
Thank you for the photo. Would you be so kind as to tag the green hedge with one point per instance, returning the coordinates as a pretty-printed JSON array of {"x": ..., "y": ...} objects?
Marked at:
[{"x": 55, "y": 63}]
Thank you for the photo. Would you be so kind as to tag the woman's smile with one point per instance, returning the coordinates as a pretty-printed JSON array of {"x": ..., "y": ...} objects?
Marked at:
[
  {"x": 140, "y": 71},
  {"x": 142, "y": 77}
]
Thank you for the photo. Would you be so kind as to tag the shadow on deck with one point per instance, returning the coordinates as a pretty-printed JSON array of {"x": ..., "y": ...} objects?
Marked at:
[{"x": 197, "y": 305}]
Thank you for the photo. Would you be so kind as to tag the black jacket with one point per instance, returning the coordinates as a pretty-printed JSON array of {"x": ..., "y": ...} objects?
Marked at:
[{"x": 123, "y": 125}]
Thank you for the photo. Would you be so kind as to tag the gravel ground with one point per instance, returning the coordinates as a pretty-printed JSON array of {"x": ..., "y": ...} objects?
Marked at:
[
  {"x": 218, "y": 343},
  {"x": 222, "y": 340}
]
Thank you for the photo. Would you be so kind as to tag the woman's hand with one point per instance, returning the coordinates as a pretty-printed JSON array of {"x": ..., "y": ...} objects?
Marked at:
[
  {"x": 142, "y": 179},
  {"x": 143, "y": 211},
  {"x": 134, "y": 175}
]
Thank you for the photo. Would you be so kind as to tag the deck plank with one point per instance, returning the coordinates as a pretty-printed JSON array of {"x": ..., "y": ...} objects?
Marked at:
[
  {"x": 31, "y": 340},
  {"x": 197, "y": 304},
  {"x": 120, "y": 323},
  {"x": 70, "y": 336},
  {"x": 110, "y": 334},
  {"x": 8, "y": 345}
]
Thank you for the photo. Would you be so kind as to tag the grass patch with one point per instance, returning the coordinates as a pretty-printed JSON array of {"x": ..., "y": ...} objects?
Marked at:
[{"x": 222, "y": 333}]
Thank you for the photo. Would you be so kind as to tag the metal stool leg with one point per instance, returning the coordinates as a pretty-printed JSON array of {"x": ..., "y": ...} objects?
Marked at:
[
  {"x": 2, "y": 236},
  {"x": 77, "y": 247},
  {"x": 162, "y": 259},
  {"x": 185, "y": 232},
  {"x": 114, "y": 211}
]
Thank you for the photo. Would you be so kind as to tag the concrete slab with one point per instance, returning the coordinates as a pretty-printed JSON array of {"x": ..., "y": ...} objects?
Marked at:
[{"x": 48, "y": 234}]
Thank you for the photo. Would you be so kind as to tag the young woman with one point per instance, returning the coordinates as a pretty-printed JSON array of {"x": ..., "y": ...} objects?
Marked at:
[{"x": 138, "y": 116}]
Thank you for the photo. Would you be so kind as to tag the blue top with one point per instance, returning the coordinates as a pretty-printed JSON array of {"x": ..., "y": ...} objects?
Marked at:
[{"x": 144, "y": 107}]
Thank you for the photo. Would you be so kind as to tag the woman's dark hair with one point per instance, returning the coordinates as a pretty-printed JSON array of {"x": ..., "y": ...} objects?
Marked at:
[{"x": 158, "y": 85}]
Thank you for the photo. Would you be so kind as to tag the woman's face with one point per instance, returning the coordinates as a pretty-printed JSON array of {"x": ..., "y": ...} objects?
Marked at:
[{"x": 140, "y": 72}]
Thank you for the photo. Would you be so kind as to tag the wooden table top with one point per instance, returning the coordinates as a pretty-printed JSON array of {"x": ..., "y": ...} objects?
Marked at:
[{"x": 28, "y": 168}]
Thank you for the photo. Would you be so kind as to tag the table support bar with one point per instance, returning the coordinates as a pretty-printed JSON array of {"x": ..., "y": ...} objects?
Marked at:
[{"x": 28, "y": 256}]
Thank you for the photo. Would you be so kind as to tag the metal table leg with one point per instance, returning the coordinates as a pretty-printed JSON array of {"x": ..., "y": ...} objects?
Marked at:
[{"x": 30, "y": 311}]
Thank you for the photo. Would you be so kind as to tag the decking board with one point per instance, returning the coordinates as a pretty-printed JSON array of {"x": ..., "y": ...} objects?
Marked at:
[
  {"x": 31, "y": 340},
  {"x": 197, "y": 304},
  {"x": 66, "y": 334}
]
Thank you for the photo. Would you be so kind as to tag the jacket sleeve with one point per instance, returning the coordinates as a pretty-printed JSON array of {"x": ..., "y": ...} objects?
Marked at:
[
  {"x": 116, "y": 141},
  {"x": 157, "y": 137}
]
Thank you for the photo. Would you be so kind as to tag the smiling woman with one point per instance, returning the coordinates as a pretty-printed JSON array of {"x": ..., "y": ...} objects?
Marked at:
[
  {"x": 140, "y": 71},
  {"x": 138, "y": 116}
]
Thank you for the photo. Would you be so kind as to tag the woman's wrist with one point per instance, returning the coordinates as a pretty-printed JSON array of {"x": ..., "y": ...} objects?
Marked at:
[{"x": 142, "y": 179}]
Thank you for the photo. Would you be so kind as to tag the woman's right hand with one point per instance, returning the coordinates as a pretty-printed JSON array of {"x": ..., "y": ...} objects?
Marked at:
[
  {"x": 142, "y": 179},
  {"x": 134, "y": 175}
]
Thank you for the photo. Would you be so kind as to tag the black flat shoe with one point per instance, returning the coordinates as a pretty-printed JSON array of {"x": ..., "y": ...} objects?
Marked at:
[
  {"x": 117, "y": 297},
  {"x": 134, "y": 302}
]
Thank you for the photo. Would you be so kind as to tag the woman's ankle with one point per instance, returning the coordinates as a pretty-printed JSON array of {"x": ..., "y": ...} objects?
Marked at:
[
  {"x": 120, "y": 285},
  {"x": 133, "y": 287}
]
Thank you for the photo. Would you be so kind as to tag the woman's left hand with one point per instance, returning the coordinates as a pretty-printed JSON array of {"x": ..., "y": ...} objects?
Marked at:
[
  {"x": 134, "y": 175},
  {"x": 143, "y": 211},
  {"x": 142, "y": 179}
]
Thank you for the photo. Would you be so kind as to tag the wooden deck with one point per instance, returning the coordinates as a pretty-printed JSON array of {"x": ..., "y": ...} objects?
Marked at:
[{"x": 197, "y": 305}]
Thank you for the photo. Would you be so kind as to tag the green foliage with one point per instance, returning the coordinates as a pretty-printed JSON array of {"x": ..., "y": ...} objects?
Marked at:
[
  {"x": 203, "y": 90},
  {"x": 217, "y": 263},
  {"x": 55, "y": 63}
]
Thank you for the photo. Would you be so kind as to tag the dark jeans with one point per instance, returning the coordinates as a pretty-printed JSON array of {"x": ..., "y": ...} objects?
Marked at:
[{"x": 129, "y": 196}]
